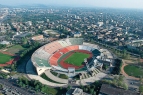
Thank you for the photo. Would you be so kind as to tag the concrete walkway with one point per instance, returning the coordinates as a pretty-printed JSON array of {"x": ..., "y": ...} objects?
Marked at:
[
  {"x": 43, "y": 81},
  {"x": 32, "y": 75},
  {"x": 90, "y": 80},
  {"x": 57, "y": 79}
]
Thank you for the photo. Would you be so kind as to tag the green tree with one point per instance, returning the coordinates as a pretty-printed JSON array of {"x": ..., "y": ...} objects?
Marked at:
[
  {"x": 1, "y": 86},
  {"x": 125, "y": 86},
  {"x": 141, "y": 89},
  {"x": 69, "y": 87},
  {"x": 13, "y": 67},
  {"x": 37, "y": 87},
  {"x": 119, "y": 83},
  {"x": 121, "y": 78},
  {"x": 26, "y": 82},
  {"x": 86, "y": 89},
  {"x": 141, "y": 80},
  {"x": 91, "y": 91},
  {"x": 20, "y": 83},
  {"x": 94, "y": 93}
]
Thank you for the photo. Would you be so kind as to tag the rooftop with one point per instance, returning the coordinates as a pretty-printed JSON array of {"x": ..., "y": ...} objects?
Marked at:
[{"x": 110, "y": 90}]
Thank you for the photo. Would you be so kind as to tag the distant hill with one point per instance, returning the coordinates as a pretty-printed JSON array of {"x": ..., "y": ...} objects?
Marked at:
[
  {"x": 33, "y": 5},
  {"x": 5, "y": 6}
]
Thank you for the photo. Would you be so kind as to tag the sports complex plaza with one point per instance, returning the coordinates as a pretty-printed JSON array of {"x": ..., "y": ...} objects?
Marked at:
[{"x": 71, "y": 57}]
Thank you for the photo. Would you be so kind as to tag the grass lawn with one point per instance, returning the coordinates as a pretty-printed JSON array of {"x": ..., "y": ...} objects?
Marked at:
[
  {"x": 63, "y": 76},
  {"x": 77, "y": 58},
  {"x": 50, "y": 91},
  {"x": 5, "y": 58},
  {"x": 48, "y": 79},
  {"x": 54, "y": 73},
  {"x": 133, "y": 70},
  {"x": 15, "y": 49}
]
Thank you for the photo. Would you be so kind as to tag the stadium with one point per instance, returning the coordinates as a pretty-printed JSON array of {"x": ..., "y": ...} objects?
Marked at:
[{"x": 71, "y": 57}]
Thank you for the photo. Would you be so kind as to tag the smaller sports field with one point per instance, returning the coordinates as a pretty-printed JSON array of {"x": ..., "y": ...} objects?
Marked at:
[
  {"x": 133, "y": 70},
  {"x": 5, "y": 58},
  {"x": 77, "y": 58}
]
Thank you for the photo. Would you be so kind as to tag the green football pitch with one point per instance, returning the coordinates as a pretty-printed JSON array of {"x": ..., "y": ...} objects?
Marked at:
[
  {"x": 77, "y": 58},
  {"x": 5, "y": 58}
]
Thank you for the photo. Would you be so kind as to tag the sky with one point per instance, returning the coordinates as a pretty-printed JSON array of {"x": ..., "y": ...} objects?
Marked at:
[{"x": 138, "y": 4}]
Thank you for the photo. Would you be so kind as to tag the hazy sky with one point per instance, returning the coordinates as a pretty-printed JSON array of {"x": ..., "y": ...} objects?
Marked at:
[{"x": 80, "y": 3}]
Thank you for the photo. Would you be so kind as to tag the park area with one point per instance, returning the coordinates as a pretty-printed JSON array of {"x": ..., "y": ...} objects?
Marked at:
[
  {"x": 5, "y": 58},
  {"x": 77, "y": 58},
  {"x": 15, "y": 49},
  {"x": 133, "y": 70}
]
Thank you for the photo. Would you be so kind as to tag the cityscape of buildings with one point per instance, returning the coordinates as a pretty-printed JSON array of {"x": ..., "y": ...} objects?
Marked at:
[{"x": 33, "y": 35}]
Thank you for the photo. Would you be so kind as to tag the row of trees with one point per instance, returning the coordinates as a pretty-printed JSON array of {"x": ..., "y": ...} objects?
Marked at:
[
  {"x": 93, "y": 89},
  {"x": 27, "y": 52},
  {"x": 136, "y": 51},
  {"x": 118, "y": 81},
  {"x": 2, "y": 46},
  {"x": 117, "y": 68},
  {"x": 36, "y": 85}
]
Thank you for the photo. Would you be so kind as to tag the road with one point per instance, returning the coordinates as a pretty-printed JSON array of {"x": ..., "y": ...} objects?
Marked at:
[{"x": 12, "y": 85}]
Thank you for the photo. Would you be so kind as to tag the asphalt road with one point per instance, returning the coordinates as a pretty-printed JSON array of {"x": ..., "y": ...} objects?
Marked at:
[{"x": 14, "y": 87}]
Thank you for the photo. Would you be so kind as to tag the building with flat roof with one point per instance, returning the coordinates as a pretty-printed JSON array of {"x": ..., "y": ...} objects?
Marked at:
[
  {"x": 76, "y": 91},
  {"x": 110, "y": 90}
]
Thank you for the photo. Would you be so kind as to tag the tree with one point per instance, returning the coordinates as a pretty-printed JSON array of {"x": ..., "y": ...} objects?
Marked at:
[
  {"x": 94, "y": 93},
  {"x": 35, "y": 82},
  {"x": 26, "y": 82},
  {"x": 86, "y": 89},
  {"x": 139, "y": 61},
  {"x": 13, "y": 67},
  {"x": 121, "y": 78},
  {"x": 141, "y": 80},
  {"x": 141, "y": 89},
  {"x": 37, "y": 87},
  {"x": 20, "y": 83},
  {"x": 43, "y": 88},
  {"x": 125, "y": 86},
  {"x": 1, "y": 86},
  {"x": 119, "y": 83},
  {"x": 23, "y": 85},
  {"x": 91, "y": 91},
  {"x": 2, "y": 46},
  {"x": 69, "y": 87},
  {"x": 115, "y": 82}
]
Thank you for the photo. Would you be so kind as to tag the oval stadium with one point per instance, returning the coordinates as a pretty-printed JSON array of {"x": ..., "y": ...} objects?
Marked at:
[{"x": 69, "y": 60}]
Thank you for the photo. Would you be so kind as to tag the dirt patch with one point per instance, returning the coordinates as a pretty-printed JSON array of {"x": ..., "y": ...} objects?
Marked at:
[{"x": 7, "y": 53}]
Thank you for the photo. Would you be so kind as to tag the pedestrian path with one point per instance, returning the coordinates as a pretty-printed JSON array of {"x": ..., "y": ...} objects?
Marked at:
[
  {"x": 90, "y": 80},
  {"x": 57, "y": 79},
  {"x": 43, "y": 81},
  {"x": 32, "y": 75}
]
